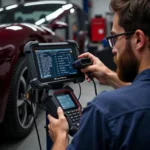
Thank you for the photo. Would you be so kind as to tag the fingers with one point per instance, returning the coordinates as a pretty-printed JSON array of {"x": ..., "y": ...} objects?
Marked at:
[
  {"x": 91, "y": 68},
  {"x": 58, "y": 126},
  {"x": 86, "y": 55},
  {"x": 87, "y": 78},
  {"x": 51, "y": 119},
  {"x": 50, "y": 131},
  {"x": 60, "y": 113}
]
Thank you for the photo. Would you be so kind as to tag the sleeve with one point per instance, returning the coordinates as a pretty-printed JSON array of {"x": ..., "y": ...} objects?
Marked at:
[{"x": 93, "y": 133}]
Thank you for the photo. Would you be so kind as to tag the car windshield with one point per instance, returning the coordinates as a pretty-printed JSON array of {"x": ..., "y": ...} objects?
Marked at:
[{"x": 28, "y": 14}]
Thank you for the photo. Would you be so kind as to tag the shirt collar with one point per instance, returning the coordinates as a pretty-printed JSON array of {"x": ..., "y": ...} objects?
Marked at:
[{"x": 144, "y": 75}]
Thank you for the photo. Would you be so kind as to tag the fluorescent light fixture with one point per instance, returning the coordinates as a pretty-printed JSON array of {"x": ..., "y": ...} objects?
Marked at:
[
  {"x": 44, "y": 2},
  {"x": 72, "y": 10},
  {"x": 39, "y": 22},
  {"x": 11, "y": 7},
  {"x": 1, "y": 9},
  {"x": 58, "y": 12},
  {"x": 54, "y": 14},
  {"x": 15, "y": 28},
  {"x": 66, "y": 7}
]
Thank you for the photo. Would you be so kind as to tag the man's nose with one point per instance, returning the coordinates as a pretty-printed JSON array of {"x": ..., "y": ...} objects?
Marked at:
[{"x": 114, "y": 51}]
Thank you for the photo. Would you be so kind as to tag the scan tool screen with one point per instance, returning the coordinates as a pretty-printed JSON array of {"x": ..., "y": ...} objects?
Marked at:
[
  {"x": 66, "y": 101},
  {"x": 55, "y": 64}
]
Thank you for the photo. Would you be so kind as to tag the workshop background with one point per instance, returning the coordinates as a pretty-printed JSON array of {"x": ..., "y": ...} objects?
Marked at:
[{"x": 99, "y": 26}]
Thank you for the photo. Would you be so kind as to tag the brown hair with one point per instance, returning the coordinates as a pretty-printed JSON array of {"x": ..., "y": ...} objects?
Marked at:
[{"x": 133, "y": 14}]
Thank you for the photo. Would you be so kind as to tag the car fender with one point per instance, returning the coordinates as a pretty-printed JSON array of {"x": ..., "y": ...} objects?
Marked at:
[{"x": 12, "y": 41}]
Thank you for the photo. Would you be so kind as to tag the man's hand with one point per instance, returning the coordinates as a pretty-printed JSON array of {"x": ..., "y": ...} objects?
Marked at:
[
  {"x": 58, "y": 128},
  {"x": 102, "y": 73},
  {"x": 98, "y": 69}
]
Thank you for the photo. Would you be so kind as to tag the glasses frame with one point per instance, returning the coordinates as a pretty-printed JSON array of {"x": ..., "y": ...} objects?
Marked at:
[{"x": 111, "y": 39}]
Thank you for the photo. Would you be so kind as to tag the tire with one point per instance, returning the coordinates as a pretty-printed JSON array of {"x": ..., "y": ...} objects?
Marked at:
[{"x": 19, "y": 114}]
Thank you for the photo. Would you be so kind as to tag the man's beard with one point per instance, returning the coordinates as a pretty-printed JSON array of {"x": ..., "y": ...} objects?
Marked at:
[{"x": 127, "y": 64}]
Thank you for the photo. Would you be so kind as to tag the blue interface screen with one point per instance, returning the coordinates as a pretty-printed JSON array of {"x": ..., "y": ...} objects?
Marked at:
[
  {"x": 66, "y": 101},
  {"x": 55, "y": 63}
]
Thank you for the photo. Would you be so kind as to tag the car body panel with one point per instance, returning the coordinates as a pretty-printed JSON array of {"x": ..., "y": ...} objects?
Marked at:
[{"x": 10, "y": 53}]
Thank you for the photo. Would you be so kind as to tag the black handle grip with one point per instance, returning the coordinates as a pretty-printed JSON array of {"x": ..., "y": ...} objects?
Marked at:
[{"x": 81, "y": 63}]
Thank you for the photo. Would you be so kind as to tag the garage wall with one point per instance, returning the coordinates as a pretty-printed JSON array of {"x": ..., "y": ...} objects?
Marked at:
[
  {"x": 100, "y": 7},
  {"x": 78, "y": 2},
  {"x": 7, "y": 2}
]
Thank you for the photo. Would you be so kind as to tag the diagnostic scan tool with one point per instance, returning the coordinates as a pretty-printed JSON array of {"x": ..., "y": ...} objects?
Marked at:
[
  {"x": 52, "y": 64},
  {"x": 66, "y": 99}
]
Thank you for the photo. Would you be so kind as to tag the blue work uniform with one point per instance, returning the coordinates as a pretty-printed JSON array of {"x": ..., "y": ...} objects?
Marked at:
[{"x": 118, "y": 119}]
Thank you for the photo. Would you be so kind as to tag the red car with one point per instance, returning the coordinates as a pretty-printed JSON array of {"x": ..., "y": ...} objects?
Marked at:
[{"x": 44, "y": 21}]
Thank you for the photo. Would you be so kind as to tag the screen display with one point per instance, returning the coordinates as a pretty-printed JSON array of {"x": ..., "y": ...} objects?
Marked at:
[
  {"x": 55, "y": 63},
  {"x": 65, "y": 101}
]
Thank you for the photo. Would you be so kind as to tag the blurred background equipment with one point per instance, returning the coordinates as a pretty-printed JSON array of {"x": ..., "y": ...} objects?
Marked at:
[{"x": 98, "y": 28}]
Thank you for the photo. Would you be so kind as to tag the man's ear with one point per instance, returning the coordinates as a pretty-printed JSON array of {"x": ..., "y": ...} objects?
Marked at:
[{"x": 140, "y": 40}]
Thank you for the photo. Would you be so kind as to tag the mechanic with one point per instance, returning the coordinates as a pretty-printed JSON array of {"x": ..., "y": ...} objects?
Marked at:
[{"x": 118, "y": 119}]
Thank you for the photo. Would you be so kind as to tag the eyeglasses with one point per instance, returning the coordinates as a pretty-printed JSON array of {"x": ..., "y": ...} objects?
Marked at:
[{"x": 112, "y": 39}]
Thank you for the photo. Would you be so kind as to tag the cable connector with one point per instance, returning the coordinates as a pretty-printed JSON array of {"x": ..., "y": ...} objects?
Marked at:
[{"x": 82, "y": 63}]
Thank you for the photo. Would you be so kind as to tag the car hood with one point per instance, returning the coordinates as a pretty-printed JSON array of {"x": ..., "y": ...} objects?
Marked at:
[{"x": 21, "y": 26}]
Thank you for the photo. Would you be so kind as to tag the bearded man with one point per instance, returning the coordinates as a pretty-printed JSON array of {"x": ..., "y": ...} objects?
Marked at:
[{"x": 118, "y": 119}]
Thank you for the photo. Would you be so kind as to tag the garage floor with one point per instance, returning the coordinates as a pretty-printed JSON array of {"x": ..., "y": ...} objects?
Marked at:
[{"x": 31, "y": 142}]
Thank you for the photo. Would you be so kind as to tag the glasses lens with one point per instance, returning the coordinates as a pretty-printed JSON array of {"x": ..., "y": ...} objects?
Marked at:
[{"x": 112, "y": 42}]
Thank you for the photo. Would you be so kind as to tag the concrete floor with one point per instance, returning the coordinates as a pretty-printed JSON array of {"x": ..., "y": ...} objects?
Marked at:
[{"x": 31, "y": 142}]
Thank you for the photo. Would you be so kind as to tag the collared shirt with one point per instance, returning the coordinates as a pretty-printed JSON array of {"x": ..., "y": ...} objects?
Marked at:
[{"x": 117, "y": 120}]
